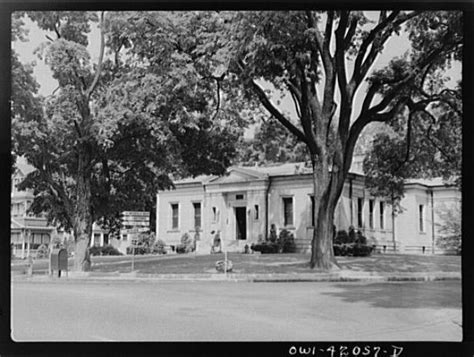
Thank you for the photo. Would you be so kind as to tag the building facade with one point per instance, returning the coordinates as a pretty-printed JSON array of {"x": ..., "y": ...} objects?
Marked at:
[
  {"x": 243, "y": 205},
  {"x": 27, "y": 232}
]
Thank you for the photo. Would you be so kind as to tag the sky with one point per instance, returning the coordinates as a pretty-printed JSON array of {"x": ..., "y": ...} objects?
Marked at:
[{"x": 395, "y": 47}]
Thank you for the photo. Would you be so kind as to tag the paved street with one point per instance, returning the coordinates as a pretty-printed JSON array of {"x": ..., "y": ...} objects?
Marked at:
[{"x": 230, "y": 311}]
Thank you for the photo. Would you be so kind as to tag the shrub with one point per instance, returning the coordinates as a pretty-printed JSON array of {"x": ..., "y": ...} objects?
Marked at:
[
  {"x": 266, "y": 247},
  {"x": 187, "y": 244},
  {"x": 138, "y": 250},
  {"x": 95, "y": 250},
  {"x": 42, "y": 251},
  {"x": 158, "y": 247},
  {"x": 105, "y": 250},
  {"x": 110, "y": 250},
  {"x": 286, "y": 242},
  {"x": 180, "y": 249},
  {"x": 351, "y": 244},
  {"x": 341, "y": 237},
  {"x": 361, "y": 250}
]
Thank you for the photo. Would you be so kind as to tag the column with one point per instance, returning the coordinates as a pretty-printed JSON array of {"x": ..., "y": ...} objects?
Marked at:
[
  {"x": 22, "y": 244},
  {"x": 28, "y": 240}
]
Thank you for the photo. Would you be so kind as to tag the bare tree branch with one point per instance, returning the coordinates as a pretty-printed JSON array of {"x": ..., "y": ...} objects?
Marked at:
[
  {"x": 379, "y": 34},
  {"x": 350, "y": 32},
  {"x": 340, "y": 52},
  {"x": 368, "y": 41},
  {"x": 360, "y": 123},
  {"x": 327, "y": 59},
  {"x": 276, "y": 113}
]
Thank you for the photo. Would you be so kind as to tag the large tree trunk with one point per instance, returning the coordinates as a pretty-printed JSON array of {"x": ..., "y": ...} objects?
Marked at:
[
  {"x": 83, "y": 217},
  {"x": 327, "y": 190}
]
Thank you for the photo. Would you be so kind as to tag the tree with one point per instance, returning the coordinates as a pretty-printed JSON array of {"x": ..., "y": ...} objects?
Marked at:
[
  {"x": 450, "y": 229},
  {"x": 430, "y": 147},
  {"x": 114, "y": 132},
  {"x": 272, "y": 143},
  {"x": 325, "y": 62},
  {"x": 24, "y": 100}
]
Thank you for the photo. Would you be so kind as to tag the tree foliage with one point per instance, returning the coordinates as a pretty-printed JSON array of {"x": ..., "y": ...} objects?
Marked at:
[
  {"x": 426, "y": 144},
  {"x": 326, "y": 62},
  {"x": 450, "y": 230},
  {"x": 114, "y": 132},
  {"x": 185, "y": 76},
  {"x": 271, "y": 143}
]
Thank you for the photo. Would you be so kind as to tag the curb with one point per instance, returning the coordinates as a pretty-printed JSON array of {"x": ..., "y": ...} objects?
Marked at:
[{"x": 344, "y": 276}]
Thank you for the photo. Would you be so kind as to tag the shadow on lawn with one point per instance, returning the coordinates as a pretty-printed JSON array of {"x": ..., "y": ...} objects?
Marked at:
[{"x": 407, "y": 295}]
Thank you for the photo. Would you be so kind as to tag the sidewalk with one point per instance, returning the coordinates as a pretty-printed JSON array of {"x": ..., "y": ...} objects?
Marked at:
[
  {"x": 264, "y": 268},
  {"x": 341, "y": 276}
]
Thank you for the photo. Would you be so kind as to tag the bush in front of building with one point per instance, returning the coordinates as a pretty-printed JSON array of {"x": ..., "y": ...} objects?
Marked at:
[
  {"x": 110, "y": 250},
  {"x": 158, "y": 247},
  {"x": 105, "y": 250},
  {"x": 42, "y": 251},
  {"x": 266, "y": 247},
  {"x": 137, "y": 250},
  {"x": 187, "y": 244},
  {"x": 351, "y": 244},
  {"x": 284, "y": 243}
]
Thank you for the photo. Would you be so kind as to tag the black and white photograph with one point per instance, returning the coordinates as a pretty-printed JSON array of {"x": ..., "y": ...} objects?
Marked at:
[{"x": 237, "y": 176}]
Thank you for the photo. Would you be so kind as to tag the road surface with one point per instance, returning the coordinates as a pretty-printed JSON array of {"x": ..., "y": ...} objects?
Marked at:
[{"x": 236, "y": 311}]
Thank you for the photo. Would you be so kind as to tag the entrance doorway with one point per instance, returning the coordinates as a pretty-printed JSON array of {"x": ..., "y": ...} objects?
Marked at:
[{"x": 241, "y": 222}]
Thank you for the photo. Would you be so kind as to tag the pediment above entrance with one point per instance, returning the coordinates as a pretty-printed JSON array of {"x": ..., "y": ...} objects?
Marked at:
[{"x": 235, "y": 175}]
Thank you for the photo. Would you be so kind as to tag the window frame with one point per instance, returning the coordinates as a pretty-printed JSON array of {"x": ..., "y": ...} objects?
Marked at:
[
  {"x": 200, "y": 214},
  {"x": 173, "y": 227},
  {"x": 421, "y": 218},
  {"x": 371, "y": 213},
  {"x": 360, "y": 212},
  {"x": 291, "y": 200}
]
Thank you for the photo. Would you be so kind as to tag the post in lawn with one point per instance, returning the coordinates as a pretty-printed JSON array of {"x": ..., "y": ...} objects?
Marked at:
[
  {"x": 134, "y": 241},
  {"x": 224, "y": 248}
]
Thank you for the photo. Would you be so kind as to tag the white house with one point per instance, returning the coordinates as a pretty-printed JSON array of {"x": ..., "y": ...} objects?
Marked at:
[
  {"x": 243, "y": 204},
  {"x": 27, "y": 232}
]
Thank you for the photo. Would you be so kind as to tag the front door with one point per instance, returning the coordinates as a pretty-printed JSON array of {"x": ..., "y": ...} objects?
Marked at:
[{"x": 241, "y": 222}]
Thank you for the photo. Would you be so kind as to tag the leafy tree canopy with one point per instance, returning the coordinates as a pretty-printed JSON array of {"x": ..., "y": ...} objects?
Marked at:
[{"x": 153, "y": 113}]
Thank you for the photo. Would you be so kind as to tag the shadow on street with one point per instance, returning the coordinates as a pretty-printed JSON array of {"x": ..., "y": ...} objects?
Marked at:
[{"x": 408, "y": 294}]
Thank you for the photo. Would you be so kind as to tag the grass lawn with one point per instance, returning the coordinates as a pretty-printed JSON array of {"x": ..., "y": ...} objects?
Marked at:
[{"x": 280, "y": 263}]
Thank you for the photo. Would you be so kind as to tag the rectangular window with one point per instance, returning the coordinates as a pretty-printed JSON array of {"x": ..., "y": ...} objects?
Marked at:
[
  {"x": 257, "y": 213},
  {"x": 239, "y": 197},
  {"x": 174, "y": 216},
  {"x": 312, "y": 211},
  {"x": 214, "y": 214},
  {"x": 421, "y": 211},
  {"x": 288, "y": 211},
  {"x": 382, "y": 215},
  {"x": 37, "y": 238},
  {"x": 96, "y": 239},
  {"x": 371, "y": 213},
  {"x": 360, "y": 207},
  {"x": 197, "y": 214}
]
